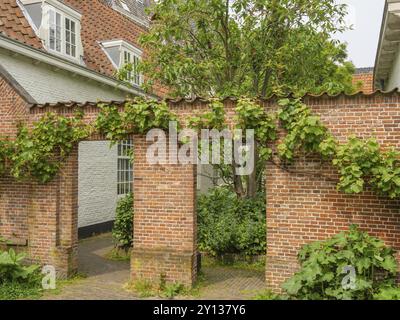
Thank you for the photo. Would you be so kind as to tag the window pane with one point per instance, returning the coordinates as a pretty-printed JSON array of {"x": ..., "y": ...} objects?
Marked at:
[
  {"x": 52, "y": 38},
  {"x": 125, "y": 168},
  {"x": 52, "y": 29},
  {"x": 70, "y": 38},
  {"x": 58, "y": 32}
]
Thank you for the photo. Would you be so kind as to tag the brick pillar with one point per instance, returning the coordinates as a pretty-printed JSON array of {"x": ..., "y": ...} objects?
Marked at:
[
  {"x": 281, "y": 260},
  {"x": 164, "y": 220},
  {"x": 52, "y": 219}
]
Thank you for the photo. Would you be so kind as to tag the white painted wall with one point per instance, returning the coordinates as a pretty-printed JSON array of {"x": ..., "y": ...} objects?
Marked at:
[
  {"x": 394, "y": 78},
  {"x": 46, "y": 85},
  {"x": 97, "y": 183}
]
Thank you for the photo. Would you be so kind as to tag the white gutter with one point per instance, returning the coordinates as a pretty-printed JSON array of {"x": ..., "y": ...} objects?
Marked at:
[
  {"x": 38, "y": 55},
  {"x": 392, "y": 7}
]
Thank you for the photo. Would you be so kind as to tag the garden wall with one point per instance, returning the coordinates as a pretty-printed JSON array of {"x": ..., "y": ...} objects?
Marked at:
[
  {"x": 14, "y": 197},
  {"x": 303, "y": 204}
]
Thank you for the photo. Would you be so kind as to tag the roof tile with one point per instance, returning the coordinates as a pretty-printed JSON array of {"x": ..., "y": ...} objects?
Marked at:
[{"x": 14, "y": 25}]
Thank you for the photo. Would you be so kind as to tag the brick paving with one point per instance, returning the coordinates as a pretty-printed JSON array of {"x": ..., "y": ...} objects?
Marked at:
[
  {"x": 225, "y": 283},
  {"x": 105, "y": 278}
]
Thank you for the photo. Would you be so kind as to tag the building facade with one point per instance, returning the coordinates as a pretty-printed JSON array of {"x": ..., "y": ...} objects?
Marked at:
[
  {"x": 387, "y": 65},
  {"x": 71, "y": 50}
]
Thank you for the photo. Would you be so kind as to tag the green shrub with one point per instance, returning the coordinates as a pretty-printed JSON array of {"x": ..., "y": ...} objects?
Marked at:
[
  {"x": 323, "y": 268},
  {"x": 12, "y": 270},
  {"x": 227, "y": 224},
  {"x": 17, "y": 280},
  {"x": 172, "y": 290},
  {"x": 123, "y": 225},
  {"x": 389, "y": 293}
]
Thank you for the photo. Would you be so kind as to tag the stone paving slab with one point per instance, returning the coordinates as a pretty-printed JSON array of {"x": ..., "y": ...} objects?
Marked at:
[{"x": 105, "y": 278}]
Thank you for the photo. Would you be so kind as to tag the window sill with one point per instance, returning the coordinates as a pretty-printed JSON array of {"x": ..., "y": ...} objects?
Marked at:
[{"x": 66, "y": 57}]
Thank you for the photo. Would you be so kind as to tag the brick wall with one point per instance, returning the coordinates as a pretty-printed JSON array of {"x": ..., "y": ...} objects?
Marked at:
[
  {"x": 303, "y": 204},
  {"x": 14, "y": 197},
  {"x": 165, "y": 221},
  {"x": 365, "y": 77}
]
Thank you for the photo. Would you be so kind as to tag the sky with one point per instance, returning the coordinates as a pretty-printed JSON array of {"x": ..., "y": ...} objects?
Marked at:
[{"x": 366, "y": 18}]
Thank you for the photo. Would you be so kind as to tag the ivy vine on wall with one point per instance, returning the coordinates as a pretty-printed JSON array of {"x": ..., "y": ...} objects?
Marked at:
[{"x": 360, "y": 162}]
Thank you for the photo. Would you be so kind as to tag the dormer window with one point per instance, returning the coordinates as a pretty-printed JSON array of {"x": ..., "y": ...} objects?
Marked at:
[
  {"x": 62, "y": 34},
  {"x": 124, "y": 55},
  {"x": 125, "y": 6},
  {"x": 58, "y": 25}
]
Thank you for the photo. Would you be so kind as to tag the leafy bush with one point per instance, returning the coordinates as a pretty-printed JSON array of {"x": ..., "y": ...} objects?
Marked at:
[
  {"x": 12, "y": 270},
  {"x": 123, "y": 226},
  {"x": 227, "y": 224},
  {"x": 323, "y": 268},
  {"x": 16, "y": 280},
  {"x": 390, "y": 293},
  {"x": 172, "y": 290}
]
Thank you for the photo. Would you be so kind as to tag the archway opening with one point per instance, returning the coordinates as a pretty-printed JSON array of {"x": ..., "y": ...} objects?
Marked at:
[{"x": 105, "y": 179}]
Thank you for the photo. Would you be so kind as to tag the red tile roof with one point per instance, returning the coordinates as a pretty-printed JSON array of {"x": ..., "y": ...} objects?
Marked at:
[
  {"x": 14, "y": 25},
  {"x": 100, "y": 22}
]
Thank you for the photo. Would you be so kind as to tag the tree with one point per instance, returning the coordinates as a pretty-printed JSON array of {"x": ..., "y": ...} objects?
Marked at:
[
  {"x": 246, "y": 47},
  {"x": 249, "y": 48}
]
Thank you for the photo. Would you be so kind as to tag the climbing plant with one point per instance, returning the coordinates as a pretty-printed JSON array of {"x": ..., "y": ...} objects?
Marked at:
[
  {"x": 359, "y": 162},
  {"x": 38, "y": 152},
  {"x": 137, "y": 117},
  {"x": 305, "y": 131},
  {"x": 213, "y": 119},
  {"x": 251, "y": 115}
]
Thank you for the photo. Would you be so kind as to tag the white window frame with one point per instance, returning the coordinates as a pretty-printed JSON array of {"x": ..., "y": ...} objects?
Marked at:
[
  {"x": 125, "y": 47},
  {"x": 134, "y": 76},
  {"x": 124, "y": 168},
  {"x": 63, "y": 37},
  {"x": 71, "y": 33},
  {"x": 65, "y": 12}
]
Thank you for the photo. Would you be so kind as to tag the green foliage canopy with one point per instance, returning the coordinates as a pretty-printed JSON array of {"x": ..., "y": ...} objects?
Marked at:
[{"x": 246, "y": 47}]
